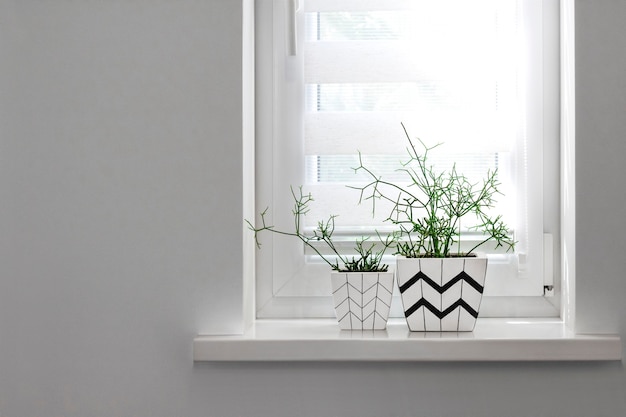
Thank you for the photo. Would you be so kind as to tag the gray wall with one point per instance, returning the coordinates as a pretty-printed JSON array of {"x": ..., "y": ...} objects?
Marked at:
[{"x": 120, "y": 182}]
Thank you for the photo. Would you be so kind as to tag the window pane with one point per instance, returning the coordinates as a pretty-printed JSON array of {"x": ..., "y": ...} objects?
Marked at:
[
  {"x": 467, "y": 74},
  {"x": 328, "y": 177}
]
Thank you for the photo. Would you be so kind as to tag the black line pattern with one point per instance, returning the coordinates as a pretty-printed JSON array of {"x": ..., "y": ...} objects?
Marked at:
[{"x": 362, "y": 303}]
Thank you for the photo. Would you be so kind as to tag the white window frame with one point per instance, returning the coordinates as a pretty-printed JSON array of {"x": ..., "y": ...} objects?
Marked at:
[{"x": 269, "y": 302}]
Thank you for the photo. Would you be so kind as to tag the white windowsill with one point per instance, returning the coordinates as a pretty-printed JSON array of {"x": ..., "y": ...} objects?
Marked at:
[{"x": 492, "y": 340}]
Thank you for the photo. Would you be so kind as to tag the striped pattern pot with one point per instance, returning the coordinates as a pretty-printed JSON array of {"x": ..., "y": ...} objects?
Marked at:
[
  {"x": 441, "y": 294},
  {"x": 362, "y": 299}
]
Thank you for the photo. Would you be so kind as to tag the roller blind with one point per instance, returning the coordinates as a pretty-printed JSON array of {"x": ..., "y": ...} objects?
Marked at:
[{"x": 449, "y": 70}]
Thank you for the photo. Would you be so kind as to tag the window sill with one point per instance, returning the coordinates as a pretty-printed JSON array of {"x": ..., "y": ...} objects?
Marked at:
[{"x": 491, "y": 340}]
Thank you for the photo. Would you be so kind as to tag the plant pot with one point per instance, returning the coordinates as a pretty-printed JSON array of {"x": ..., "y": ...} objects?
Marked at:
[
  {"x": 362, "y": 299},
  {"x": 441, "y": 294}
]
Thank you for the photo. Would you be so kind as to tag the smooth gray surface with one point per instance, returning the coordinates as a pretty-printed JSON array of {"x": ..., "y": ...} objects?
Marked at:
[{"x": 119, "y": 173}]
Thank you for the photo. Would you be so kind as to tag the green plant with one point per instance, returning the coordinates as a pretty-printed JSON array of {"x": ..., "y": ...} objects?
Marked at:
[
  {"x": 430, "y": 209},
  {"x": 369, "y": 255}
]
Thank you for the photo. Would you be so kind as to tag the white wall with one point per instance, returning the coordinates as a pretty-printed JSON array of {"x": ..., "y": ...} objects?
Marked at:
[
  {"x": 120, "y": 182},
  {"x": 600, "y": 164}
]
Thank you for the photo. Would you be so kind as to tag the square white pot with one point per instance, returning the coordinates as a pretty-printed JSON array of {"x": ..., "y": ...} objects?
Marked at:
[
  {"x": 362, "y": 299},
  {"x": 441, "y": 294}
]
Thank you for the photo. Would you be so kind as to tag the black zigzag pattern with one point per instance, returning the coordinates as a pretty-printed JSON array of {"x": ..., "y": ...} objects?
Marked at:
[
  {"x": 462, "y": 276},
  {"x": 441, "y": 314},
  {"x": 420, "y": 276}
]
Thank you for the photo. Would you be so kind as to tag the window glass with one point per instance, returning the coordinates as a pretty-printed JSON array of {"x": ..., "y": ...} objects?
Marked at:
[{"x": 466, "y": 75}]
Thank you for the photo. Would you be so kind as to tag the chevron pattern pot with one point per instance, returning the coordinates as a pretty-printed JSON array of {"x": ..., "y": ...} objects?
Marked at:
[
  {"x": 362, "y": 299},
  {"x": 441, "y": 294}
]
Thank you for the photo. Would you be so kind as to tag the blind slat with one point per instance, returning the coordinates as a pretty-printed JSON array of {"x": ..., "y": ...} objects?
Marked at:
[
  {"x": 356, "y": 5},
  {"x": 396, "y": 61},
  {"x": 362, "y": 62},
  {"x": 343, "y": 133}
]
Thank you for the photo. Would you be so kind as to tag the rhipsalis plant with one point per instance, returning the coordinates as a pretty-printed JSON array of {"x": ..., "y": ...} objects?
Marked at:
[
  {"x": 369, "y": 254},
  {"x": 428, "y": 210}
]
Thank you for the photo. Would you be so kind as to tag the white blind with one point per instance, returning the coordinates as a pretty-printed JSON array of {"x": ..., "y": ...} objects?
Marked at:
[{"x": 449, "y": 70}]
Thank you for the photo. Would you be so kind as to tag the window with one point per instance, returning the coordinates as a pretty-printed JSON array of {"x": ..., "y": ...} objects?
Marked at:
[{"x": 335, "y": 78}]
